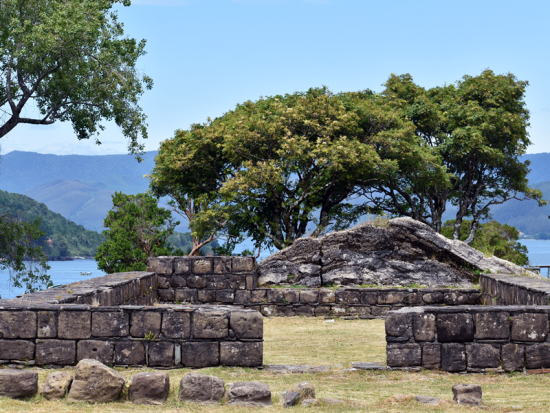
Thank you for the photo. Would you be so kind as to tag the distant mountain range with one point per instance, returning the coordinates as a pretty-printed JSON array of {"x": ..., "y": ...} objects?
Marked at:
[{"x": 79, "y": 187}]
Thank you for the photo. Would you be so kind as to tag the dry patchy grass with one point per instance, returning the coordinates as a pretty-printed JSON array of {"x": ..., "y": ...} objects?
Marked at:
[{"x": 312, "y": 341}]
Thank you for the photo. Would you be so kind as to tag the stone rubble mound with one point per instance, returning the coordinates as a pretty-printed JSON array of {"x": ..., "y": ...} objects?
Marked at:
[{"x": 401, "y": 253}]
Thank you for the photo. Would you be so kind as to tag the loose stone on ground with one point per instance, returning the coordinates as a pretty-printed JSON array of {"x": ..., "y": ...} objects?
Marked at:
[
  {"x": 57, "y": 385},
  {"x": 249, "y": 394},
  {"x": 201, "y": 388},
  {"x": 18, "y": 383},
  {"x": 95, "y": 383}
]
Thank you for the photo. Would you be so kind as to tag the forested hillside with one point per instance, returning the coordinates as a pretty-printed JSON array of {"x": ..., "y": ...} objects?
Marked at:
[{"x": 63, "y": 237}]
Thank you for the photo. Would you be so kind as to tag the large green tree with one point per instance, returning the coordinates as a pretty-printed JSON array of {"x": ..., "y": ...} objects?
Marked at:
[
  {"x": 282, "y": 163},
  {"x": 476, "y": 129},
  {"x": 137, "y": 228},
  {"x": 69, "y": 60}
]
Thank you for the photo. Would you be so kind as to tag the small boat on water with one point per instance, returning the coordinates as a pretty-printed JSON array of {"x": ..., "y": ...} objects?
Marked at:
[{"x": 85, "y": 273}]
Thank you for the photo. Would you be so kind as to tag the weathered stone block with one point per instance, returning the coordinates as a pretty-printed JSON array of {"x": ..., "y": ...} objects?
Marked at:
[
  {"x": 413, "y": 298},
  {"x": 424, "y": 327},
  {"x": 16, "y": 350},
  {"x": 110, "y": 324},
  {"x": 433, "y": 298},
  {"x": 95, "y": 383},
  {"x": 269, "y": 310},
  {"x": 537, "y": 356},
  {"x": 202, "y": 266},
  {"x": 57, "y": 385},
  {"x": 286, "y": 311},
  {"x": 201, "y": 389},
  {"x": 102, "y": 351},
  {"x": 47, "y": 324},
  {"x": 130, "y": 353},
  {"x": 176, "y": 324},
  {"x": 398, "y": 325},
  {"x": 196, "y": 281},
  {"x": 453, "y": 357},
  {"x": 513, "y": 357},
  {"x": 529, "y": 327},
  {"x": 167, "y": 295},
  {"x": 483, "y": 355},
  {"x": 182, "y": 265},
  {"x": 199, "y": 355},
  {"x": 258, "y": 296},
  {"x": 74, "y": 325},
  {"x": 455, "y": 298},
  {"x": 206, "y": 296},
  {"x": 210, "y": 324},
  {"x": 348, "y": 297},
  {"x": 326, "y": 296},
  {"x": 431, "y": 356},
  {"x": 248, "y": 354},
  {"x": 322, "y": 310},
  {"x": 304, "y": 311},
  {"x": 149, "y": 388},
  {"x": 61, "y": 352},
  {"x": 455, "y": 327},
  {"x": 242, "y": 297},
  {"x": 18, "y": 383},
  {"x": 379, "y": 311},
  {"x": 339, "y": 310},
  {"x": 222, "y": 265},
  {"x": 186, "y": 295},
  {"x": 275, "y": 296},
  {"x": 309, "y": 296},
  {"x": 236, "y": 282},
  {"x": 216, "y": 282},
  {"x": 243, "y": 264},
  {"x": 492, "y": 326},
  {"x": 18, "y": 324},
  {"x": 251, "y": 282},
  {"x": 247, "y": 324},
  {"x": 369, "y": 297},
  {"x": 144, "y": 323},
  {"x": 403, "y": 355},
  {"x": 161, "y": 265},
  {"x": 225, "y": 296},
  {"x": 474, "y": 298},
  {"x": 249, "y": 394},
  {"x": 468, "y": 394},
  {"x": 391, "y": 297},
  {"x": 163, "y": 281},
  {"x": 161, "y": 354},
  {"x": 291, "y": 296},
  {"x": 178, "y": 281}
]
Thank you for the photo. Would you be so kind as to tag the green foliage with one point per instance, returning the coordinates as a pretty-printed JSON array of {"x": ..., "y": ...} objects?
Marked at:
[
  {"x": 183, "y": 241},
  {"x": 21, "y": 254},
  {"x": 72, "y": 60},
  {"x": 137, "y": 229},
  {"x": 492, "y": 238},
  {"x": 61, "y": 238}
]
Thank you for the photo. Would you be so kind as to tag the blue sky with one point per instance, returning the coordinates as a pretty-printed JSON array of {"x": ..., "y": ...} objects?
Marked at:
[{"x": 205, "y": 56}]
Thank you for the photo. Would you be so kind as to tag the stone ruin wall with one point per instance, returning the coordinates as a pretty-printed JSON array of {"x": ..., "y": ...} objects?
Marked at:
[{"x": 510, "y": 336}]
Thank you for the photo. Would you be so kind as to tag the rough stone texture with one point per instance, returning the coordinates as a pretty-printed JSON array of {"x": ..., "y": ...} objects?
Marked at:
[
  {"x": 57, "y": 385},
  {"x": 143, "y": 323},
  {"x": 161, "y": 265},
  {"x": 161, "y": 354},
  {"x": 149, "y": 388},
  {"x": 403, "y": 355},
  {"x": 18, "y": 383},
  {"x": 202, "y": 389},
  {"x": 305, "y": 389},
  {"x": 210, "y": 324},
  {"x": 537, "y": 356},
  {"x": 62, "y": 352},
  {"x": 431, "y": 356},
  {"x": 74, "y": 325},
  {"x": 16, "y": 350},
  {"x": 427, "y": 399},
  {"x": 397, "y": 325},
  {"x": 47, "y": 324},
  {"x": 455, "y": 327},
  {"x": 492, "y": 326},
  {"x": 424, "y": 327},
  {"x": 199, "y": 355},
  {"x": 95, "y": 383},
  {"x": 102, "y": 351},
  {"x": 290, "y": 398},
  {"x": 483, "y": 355},
  {"x": 249, "y": 394},
  {"x": 400, "y": 253},
  {"x": 468, "y": 394},
  {"x": 247, "y": 325},
  {"x": 176, "y": 324},
  {"x": 453, "y": 357},
  {"x": 18, "y": 324},
  {"x": 110, "y": 324},
  {"x": 129, "y": 353},
  {"x": 249, "y": 354},
  {"x": 530, "y": 327},
  {"x": 513, "y": 357}
]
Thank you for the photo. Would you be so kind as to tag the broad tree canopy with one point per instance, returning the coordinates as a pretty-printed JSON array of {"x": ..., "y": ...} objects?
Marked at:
[{"x": 68, "y": 60}]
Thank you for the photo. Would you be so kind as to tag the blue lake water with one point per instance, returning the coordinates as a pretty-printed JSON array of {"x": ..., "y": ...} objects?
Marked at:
[{"x": 66, "y": 272}]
